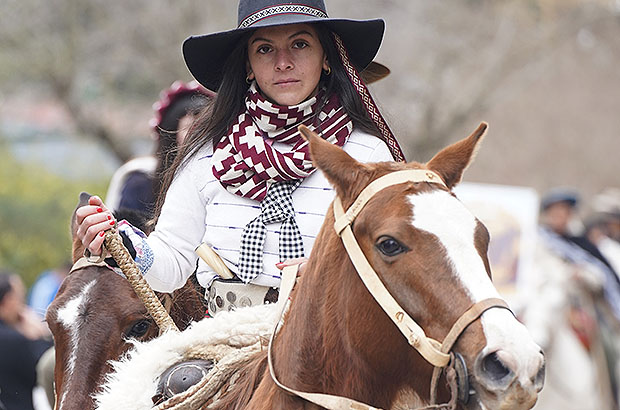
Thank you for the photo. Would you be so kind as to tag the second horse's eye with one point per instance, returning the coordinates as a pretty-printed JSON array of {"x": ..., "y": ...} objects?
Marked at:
[
  {"x": 390, "y": 246},
  {"x": 139, "y": 329}
]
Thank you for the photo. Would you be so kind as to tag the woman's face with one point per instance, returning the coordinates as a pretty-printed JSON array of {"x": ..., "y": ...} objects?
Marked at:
[{"x": 286, "y": 62}]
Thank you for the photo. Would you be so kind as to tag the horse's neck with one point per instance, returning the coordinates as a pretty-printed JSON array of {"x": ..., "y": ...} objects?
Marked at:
[
  {"x": 313, "y": 351},
  {"x": 186, "y": 306}
]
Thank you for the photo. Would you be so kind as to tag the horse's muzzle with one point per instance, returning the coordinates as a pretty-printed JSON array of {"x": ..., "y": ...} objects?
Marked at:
[{"x": 506, "y": 381}]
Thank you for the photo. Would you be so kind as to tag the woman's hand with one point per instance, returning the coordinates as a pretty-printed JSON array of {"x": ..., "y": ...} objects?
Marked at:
[
  {"x": 295, "y": 261},
  {"x": 93, "y": 220}
]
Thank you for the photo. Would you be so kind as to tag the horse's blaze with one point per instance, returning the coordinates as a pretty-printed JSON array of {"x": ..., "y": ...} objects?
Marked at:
[
  {"x": 457, "y": 231},
  {"x": 69, "y": 316}
]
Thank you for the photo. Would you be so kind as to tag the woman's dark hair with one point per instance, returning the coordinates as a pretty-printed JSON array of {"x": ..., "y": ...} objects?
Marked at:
[
  {"x": 337, "y": 82},
  {"x": 216, "y": 118}
]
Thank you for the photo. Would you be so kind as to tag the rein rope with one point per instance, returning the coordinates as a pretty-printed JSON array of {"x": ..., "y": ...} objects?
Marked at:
[{"x": 113, "y": 243}]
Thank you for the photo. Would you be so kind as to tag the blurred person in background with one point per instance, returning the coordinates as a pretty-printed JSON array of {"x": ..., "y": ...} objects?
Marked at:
[
  {"x": 45, "y": 288},
  {"x": 598, "y": 233},
  {"x": 607, "y": 204},
  {"x": 23, "y": 339},
  {"x": 41, "y": 294},
  {"x": 136, "y": 184},
  {"x": 572, "y": 311},
  {"x": 604, "y": 229}
]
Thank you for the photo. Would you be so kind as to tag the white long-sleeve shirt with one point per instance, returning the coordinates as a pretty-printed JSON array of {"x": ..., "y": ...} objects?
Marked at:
[{"x": 199, "y": 209}]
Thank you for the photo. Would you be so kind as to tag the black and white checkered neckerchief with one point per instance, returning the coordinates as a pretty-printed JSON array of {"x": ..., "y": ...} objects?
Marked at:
[{"x": 276, "y": 207}]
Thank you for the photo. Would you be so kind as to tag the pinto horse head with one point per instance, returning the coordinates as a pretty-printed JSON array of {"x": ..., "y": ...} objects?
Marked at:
[
  {"x": 92, "y": 318},
  {"x": 430, "y": 253}
]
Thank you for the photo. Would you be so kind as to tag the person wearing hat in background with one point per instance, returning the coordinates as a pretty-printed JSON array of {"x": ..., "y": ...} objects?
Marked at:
[
  {"x": 243, "y": 183},
  {"x": 603, "y": 230},
  {"x": 136, "y": 184},
  {"x": 572, "y": 312}
]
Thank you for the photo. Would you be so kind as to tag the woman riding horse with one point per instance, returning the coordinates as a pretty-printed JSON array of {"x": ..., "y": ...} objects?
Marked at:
[
  {"x": 395, "y": 296},
  {"x": 244, "y": 183}
]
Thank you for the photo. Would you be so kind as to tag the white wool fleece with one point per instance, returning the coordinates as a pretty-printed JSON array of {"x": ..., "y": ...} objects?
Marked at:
[{"x": 133, "y": 381}]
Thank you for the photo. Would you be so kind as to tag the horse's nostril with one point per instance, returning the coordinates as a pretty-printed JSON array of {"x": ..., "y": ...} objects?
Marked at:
[{"x": 494, "y": 368}]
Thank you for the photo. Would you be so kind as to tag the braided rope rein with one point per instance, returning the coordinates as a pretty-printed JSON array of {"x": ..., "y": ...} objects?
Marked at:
[
  {"x": 114, "y": 245},
  {"x": 228, "y": 360}
]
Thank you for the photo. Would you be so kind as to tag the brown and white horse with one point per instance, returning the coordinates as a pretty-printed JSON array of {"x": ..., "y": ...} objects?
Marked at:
[
  {"x": 430, "y": 253},
  {"x": 92, "y": 317}
]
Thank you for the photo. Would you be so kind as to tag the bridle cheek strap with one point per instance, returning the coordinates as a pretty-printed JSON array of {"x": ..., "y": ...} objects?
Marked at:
[{"x": 429, "y": 348}]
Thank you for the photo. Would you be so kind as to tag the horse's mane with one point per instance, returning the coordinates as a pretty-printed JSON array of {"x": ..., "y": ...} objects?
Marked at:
[{"x": 240, "y": 393}]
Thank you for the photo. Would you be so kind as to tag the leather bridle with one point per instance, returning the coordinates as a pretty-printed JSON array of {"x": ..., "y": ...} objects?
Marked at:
[
  {"x": 86, "y": 261},
  {"x": 436, "y": 353}
]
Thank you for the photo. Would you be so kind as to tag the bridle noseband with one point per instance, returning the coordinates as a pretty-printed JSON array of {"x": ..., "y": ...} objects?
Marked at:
[{"x": 436, "y": 353}]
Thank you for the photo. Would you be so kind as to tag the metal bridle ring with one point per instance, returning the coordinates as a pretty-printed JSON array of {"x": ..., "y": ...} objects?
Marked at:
[
  {"x": 94, "y": 258},
  {"x": 462, "y": 377}
]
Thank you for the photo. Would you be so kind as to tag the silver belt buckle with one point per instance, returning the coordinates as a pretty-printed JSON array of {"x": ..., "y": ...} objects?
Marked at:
[{"x": 226, "y": 295}]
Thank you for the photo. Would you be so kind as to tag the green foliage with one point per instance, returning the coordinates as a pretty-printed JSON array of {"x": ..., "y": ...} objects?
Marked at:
[{"x": 35, "y": 211}]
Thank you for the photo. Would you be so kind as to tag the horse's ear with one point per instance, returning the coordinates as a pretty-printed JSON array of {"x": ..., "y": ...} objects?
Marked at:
[
  {"x": 77, "y": 245},
  {"x": 452, "y": 161},
  {"x": 342, "y": 171},
  {"x": 84, "y": 197}
]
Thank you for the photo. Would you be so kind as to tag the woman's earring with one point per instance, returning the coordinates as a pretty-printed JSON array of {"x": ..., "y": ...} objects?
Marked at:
[
  {"x": 328, "y": 71},
  {"x": 248, "y": 79}
]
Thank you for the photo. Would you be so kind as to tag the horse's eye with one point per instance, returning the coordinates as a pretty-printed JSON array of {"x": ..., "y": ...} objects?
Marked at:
[
  {"x": 390, "y": 246},
  {"x": 139, "y": 329}
]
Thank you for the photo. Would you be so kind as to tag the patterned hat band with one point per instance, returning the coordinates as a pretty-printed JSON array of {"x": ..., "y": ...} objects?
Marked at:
[{"x": 280, "y": 10}]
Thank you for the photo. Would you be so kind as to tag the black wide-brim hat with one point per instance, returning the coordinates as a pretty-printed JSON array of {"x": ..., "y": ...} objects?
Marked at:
[{"x": 205, "y": 55}]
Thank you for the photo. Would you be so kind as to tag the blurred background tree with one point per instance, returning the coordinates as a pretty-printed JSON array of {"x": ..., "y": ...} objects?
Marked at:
[
  {"x": 35, "y": 210},
  {"x": 543, "y": 73}
]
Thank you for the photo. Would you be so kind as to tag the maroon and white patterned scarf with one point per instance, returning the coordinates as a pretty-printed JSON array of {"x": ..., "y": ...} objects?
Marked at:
[{"x": 247, "y": 162}]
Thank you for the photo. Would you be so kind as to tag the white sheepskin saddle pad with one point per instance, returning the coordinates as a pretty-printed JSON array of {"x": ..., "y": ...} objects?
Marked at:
[{"x": 133, "y": 381}]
